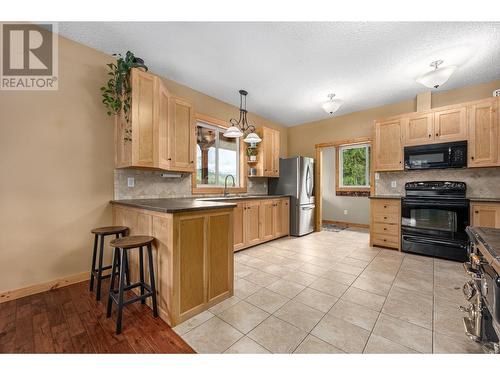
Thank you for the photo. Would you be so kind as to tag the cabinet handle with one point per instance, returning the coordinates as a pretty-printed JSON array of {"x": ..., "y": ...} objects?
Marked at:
[{"x": 169, "y": 159}]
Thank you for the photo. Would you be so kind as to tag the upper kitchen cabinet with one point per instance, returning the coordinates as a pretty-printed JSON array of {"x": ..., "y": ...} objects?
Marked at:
[
  {"x": 483, "y": 133},
  {"x": 418, "y": 129},
  {"x": 268, "y": 164},
  {"x": 388, "y": 150},
  {"x": 160, "y": 131},
  {"x": 450, "y": 124}
]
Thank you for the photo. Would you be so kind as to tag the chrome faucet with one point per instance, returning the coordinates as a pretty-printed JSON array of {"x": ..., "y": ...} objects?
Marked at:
[{"x": 226, "y": 193}]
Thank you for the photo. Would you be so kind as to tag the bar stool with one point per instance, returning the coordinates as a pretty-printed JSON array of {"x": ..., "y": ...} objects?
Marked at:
[
  {"x": 96, "y": 273},
  {"x": 120, "y": 255}
]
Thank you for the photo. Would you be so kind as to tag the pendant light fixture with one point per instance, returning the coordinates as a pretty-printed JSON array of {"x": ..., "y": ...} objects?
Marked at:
[
  {"x": 332, "y": 105},
  {"x": 241, "y": 127},
  {"x": 438, "y": 76}
]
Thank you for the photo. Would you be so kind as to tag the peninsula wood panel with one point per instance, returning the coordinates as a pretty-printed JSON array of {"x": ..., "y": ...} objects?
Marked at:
[
  {"x": 388, "y": 147},
  {"x": 418, "y": 129},
  {"x": 193, "y": 257},
  {"x": 220, "y": 268},
  {"x": 451, "y": 124},
  {"x": 485, "y": 215},
  {"x": 483, "y": 133}
]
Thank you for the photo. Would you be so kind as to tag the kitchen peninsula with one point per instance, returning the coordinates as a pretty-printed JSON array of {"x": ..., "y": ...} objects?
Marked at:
[{"x": 194, "y": 251}]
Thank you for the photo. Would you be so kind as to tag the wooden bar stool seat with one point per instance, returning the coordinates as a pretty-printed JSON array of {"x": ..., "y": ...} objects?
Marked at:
[
  {"x": 96, "y": 272},
  {"x": 122, "y": 246}
]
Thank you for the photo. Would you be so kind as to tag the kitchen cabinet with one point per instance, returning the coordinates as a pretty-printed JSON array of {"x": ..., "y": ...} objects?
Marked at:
[
  {"x": 260, "y": 220},
  {"x": 450, "y": 124},
  {"x": 418, "y": 129},
  {"x": 193, "y": 257},
  {"x": 483, "y": 133},
  {"x": 388, "y": 150},
  {"x": 485, "y": 215},
  {"x": 160, "y": 133},
  {"x": 385, "y": 223},
  {"x": 269, "y": 152}
]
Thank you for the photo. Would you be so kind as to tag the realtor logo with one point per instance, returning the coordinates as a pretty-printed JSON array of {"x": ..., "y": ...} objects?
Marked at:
[{"x": 29, "y": 57}]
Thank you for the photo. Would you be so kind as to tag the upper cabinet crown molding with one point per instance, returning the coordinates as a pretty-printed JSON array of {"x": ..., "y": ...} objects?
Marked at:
[
  {"x": 477, "y": 122},
  {"x": 161, "y": 132}
]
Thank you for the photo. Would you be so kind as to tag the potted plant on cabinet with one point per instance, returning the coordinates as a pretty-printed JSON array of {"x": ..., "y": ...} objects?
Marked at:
[
  {"x": 252, "y": 154},
  {"x": 116, "y": 94}
]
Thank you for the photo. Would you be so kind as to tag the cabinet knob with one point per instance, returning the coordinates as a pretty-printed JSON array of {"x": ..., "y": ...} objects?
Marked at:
[
  {"x": 192, "y": 162},
  {"x": 400, "y": 162},
  {"x": 385, "y": 240},
  {"x": 385, "y": 217},
  {"x": 169, "y": 159},
  {"x": 476, "y": 212},
  {"x": 385, "y": 228},
  {"x": 437, "y": 134},
  {"x": 385, "y": 206},
  {"x": 472, "y": 157},
  {"x": 430, "y": 135}
]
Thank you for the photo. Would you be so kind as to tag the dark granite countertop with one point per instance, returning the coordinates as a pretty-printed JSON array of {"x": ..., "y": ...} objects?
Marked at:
[
  {"x": 173, "y": 205},
  {"x": 490, "y": 239},
  {"x": 240, "y": 198},
  {"x": 385, "y": 197},
  {"x": 481, "y": 199}
]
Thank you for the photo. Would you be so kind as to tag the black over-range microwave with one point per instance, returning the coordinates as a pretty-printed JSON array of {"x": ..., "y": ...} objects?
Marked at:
[{"x": 434, "y": 156}]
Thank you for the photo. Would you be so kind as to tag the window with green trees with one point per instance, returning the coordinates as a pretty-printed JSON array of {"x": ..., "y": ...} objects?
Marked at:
[{"x": 354, "y": 164}]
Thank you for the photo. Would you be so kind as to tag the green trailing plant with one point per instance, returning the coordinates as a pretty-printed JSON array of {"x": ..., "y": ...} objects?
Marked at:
[
  {"x": 116, "y": 94},
  {"x": 252, "y": 151}
]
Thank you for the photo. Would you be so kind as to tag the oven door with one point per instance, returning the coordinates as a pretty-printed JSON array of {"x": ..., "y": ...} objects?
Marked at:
[{"x": 435, "y": 227}]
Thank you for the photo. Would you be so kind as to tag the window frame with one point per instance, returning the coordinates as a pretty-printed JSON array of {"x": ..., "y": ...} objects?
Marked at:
[
  {"x": 217, "y": 124},
  {"x": 352, "y": 190}
]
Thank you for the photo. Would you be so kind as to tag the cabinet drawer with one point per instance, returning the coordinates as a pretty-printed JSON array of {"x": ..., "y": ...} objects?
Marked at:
[
  {"x": 386, "y": 218},
  {"x": 385, "y": 240},
  {"x": 386, "y": 207},
  {"x": 385, "y": 229}
]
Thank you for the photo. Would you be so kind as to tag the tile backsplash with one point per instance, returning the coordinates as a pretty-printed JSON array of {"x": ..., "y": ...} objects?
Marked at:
[
  {"x": 481, "y": 182},
  {"x": 150, "y": 184}
]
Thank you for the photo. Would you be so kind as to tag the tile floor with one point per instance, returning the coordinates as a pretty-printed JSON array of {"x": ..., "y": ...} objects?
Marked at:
[{"x": 330, "y": 292}]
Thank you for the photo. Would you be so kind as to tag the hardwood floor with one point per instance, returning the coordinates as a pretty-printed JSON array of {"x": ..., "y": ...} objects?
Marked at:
[{"x": 70, "y": 320}]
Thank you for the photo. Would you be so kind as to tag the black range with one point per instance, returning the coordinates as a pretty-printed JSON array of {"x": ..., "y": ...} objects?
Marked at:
[{"x": 434, "y": 215}]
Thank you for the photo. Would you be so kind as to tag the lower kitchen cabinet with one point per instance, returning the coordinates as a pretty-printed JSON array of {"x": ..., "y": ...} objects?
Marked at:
[
  {"x": 485, "y": 215},
  {"x": 385, "y": 223},
  {"x": 193, "y": 257},
  {"x": 257, "y": 221}
]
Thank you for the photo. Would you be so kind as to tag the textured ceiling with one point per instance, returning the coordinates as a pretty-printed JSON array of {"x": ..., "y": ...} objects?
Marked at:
[{"x": 289, "y": 68}]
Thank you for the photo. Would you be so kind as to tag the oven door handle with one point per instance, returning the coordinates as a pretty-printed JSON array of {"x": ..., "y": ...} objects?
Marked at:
[
  {"x": 418, "y": 203},
  {"x": 431, "y": 241}
]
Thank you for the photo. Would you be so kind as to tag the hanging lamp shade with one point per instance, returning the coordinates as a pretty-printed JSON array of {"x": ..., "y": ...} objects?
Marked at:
[
  {"x": 233, "y": 132},
  {"x": 438, "y": 76},
  {"x": 252, "y": 138}
]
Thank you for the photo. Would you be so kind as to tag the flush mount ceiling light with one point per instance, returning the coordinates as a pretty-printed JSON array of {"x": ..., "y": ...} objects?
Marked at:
[
  {"x": 241, "y": 127},
  {"x": 438, "y": 76},
  {"x": 332, "y": 105}
]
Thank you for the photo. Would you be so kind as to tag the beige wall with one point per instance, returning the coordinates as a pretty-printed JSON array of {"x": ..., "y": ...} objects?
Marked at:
[
  {"x": 302, "y": 138},
  {"x": 57, "y": 163}
]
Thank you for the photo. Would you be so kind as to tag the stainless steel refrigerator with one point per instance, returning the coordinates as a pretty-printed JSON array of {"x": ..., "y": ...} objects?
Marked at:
[{"x": 297, "y": 180}]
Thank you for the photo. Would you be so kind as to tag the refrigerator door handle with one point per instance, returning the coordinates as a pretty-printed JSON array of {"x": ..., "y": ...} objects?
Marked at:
[{"x": 309, "y": 181}]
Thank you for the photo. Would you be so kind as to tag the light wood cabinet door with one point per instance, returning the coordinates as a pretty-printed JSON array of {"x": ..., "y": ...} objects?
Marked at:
[
  {"x": 450, "y": 125},
  {"x": 485, "y": 215},
  {"x": 239, "y": 226},
  {"x": 163, "y": 128},
  {"x": 267, "y": 212},
  {"x": 267, "y": 150},
  {"x": 418, "y": 129},
  {"x": 144, "y": 107},
  {"x": 483, "y": 133},
  {"x": 182, "y": 135},
  {"x": 281, "y": 217},
  {"x": 252, "y": 223},
  {"x": 388, "y": 154},
  {"x": 276, "y": 153}
]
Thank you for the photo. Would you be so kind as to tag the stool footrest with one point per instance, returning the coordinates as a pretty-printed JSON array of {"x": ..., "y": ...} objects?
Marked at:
[{"x": 114, "y": 293}]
